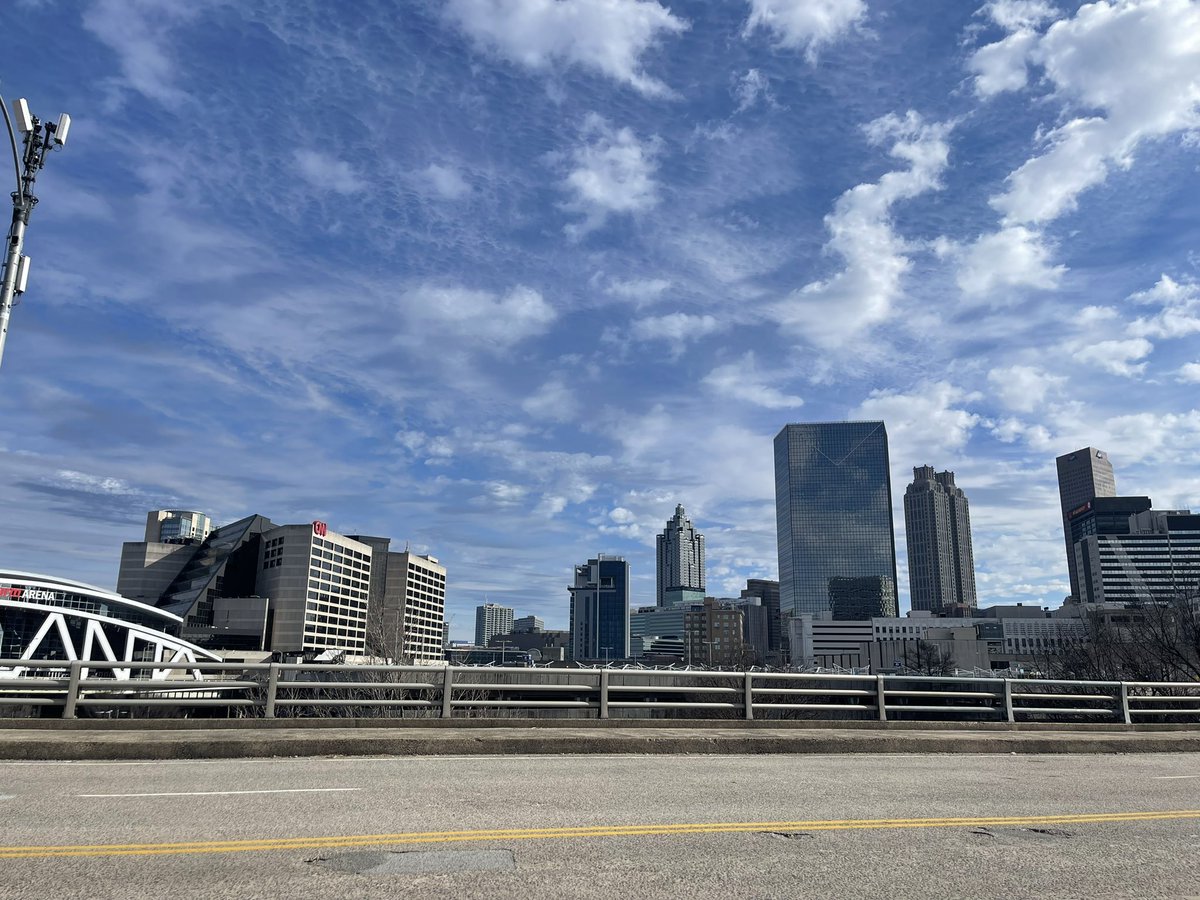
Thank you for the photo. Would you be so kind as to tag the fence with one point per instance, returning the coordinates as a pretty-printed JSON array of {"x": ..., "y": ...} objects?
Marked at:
[{"x": 278, "y": 690}]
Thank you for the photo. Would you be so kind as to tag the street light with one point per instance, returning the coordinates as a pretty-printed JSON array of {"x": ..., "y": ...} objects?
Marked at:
[{"x": 40, "y": 138}]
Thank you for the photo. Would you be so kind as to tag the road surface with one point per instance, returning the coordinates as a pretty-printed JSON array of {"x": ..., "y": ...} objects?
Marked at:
[{"x": 605, "y": 826}]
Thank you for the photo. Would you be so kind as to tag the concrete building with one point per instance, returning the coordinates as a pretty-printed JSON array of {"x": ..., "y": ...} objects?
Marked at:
[
  {"x": 416, "y": 587},
  {"x": 833, "y": 505},
  {"x": 528, "y": 625},
  {"x": 648, "y": 624},
  {"x": 176, "y": 526},
  {"x": 937, "y": 529},
  {"x": 543, "y": 646},
  {"x": 863, "y": 597},
  {"x": 1082, "y": 477},
  {"x": 492, "y": 619},
  {"x": 680, "y": 560},
  {"x": 712, "y": 634},
  {"x": 1158, "y": 560},
  {"x": 600, "y": 609}
]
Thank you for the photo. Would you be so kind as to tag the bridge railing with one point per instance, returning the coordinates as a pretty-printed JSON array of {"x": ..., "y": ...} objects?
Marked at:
[{"x": 288, "y": 690}]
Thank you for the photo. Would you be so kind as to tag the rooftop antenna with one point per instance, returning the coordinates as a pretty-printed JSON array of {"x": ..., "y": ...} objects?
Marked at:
[{"x": 40, "y": 138}]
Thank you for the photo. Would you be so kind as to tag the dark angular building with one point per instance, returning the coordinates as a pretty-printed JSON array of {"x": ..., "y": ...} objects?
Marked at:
[
  {"x": 937, "y": 529},
  {"x": 1082, "y": 477},
  {"x": 833, "y": 508},
  {"x": 854, "y": 599},
  {"x": 600, "y": 609},
  {"x": 768, "y": 592}
]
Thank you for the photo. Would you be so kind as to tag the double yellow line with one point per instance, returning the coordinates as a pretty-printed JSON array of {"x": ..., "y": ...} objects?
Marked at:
[{"x": 531, "y": 834}]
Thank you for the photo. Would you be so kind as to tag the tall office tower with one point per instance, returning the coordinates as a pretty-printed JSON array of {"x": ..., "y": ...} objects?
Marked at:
[
  {"x": 863, "y": 597},
  {"x": 1082, "y": 476},
  {"x": 768, "y": 592},
  {"x": 377, "y": 590},
  {"x": 1156, "y": 559},
  {"x": 833, "y": 510},
  {"x": 492, "y": 619},
  {"x": 600, "y": 609},
  {"x": 415, "y": 607},
  {"x": 680, "y": 561},
  {"x": 937, "y": 528},
  {"x": 176, "y": 526}
]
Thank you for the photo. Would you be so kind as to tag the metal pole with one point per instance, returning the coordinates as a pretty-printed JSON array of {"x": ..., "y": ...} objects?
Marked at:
[
  {"x": 880, "y": 699},
  {"x": 272, "y": 690},
  {"x": 748, "y": 695},
  {"x": 1125, "y": 704},
  {"x": 76, "y": 669},
  {"x": 12, "y": 262},
  {"x": 447, "y": 692},
  {"x": 1008, "y": 701},
  {"x": 604, "y": 693}
]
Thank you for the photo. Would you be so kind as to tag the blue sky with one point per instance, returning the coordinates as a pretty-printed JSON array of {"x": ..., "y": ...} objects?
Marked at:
[{"x": 508, "y": 279}]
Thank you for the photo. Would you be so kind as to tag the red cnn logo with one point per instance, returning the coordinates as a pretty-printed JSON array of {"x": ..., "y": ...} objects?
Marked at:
[{"x": 320, "y": 528}]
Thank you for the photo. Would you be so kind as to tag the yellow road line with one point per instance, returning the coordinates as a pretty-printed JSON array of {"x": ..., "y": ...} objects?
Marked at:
[{"x": 526, "y": 834}]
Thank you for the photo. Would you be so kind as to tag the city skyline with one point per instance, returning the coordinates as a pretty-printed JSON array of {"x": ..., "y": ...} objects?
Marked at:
[{"x": 509, "y": 294}]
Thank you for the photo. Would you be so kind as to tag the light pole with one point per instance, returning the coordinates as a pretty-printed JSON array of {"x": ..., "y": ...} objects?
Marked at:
[{"x": 40, "y": 138}]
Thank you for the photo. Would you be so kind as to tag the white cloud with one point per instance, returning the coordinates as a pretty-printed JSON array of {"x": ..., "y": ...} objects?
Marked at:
[
  {"x": 744, "y": 382},
  {"x": 445, "y": 181},
  {"x": 675, "y": 328},
  {"x": 1012, "y": 15},
  {"x": 324, "y": 172},
  {"x": 805, "y": 24},
  {"x": 612, "y": 172},
  {"x": 1179, "y": 315},
  {"x": 1119, "y": 357},
  {"x": 605, "y": 36},
  {"x": 466, "y": 315},
  {"x": 1011, "y": 257},
  {"x": 1189, "y": 373},
  {"x": 138, "y": 32},
  {"x": 752, "y": 87},
  {"x": 553, "y": 401},
  {"x": 925, "y": 424},
  {"x": 1023, "y": 388},
  {"x": 1134, "y": 66},
  {"x": 643, "y": 290},
  {"x": 1004, "y": 65},
  {"x": 860, "y": 226}
]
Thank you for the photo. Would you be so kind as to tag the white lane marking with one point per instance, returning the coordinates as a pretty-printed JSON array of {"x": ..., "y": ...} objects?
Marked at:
[
  {"x": 227, "y": 793},
  {"x": 8, "y": 796},
  {"x": 1161, "y": 777}
]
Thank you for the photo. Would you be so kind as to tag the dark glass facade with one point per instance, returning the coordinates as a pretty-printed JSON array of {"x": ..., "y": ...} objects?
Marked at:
[
  {"x": 600, "y": 609},
  {"x": 833, "y": 507}
]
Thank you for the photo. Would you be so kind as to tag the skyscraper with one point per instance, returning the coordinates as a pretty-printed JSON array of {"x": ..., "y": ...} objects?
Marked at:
[
  {"x": 600, "y": 609},
  {"x": 680, "y": 560},
  {"x": 492, "y": 619},
  {"x": 937, "y": 528},
  {"x": 1082, "y": 476},
  {"x": 833, "y": 510}
]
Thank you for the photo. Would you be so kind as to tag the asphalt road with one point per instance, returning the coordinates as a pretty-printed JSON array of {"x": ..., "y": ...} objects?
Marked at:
[{"x": 605, "y": 826}]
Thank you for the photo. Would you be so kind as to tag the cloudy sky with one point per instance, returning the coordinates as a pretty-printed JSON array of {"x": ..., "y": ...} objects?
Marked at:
[{"x": 508, "y": 279}]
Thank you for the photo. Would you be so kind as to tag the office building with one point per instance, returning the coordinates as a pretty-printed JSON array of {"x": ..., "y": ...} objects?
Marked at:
[
  {"x": 937, "y": 529},
  {"x": 1082, "y": 477},
  {"x": 1156, "y": 560},
  {"x": 600, "y": 609},
  {"x": 492, "y": 619},
  {"x": 712, "y": 634},
  {"x": 528, "y": 625},
  {"x": 863, "y": 597},
  {"x": 756, "y": 633},
  {"x": 648, "y": 624},
  {"x": 680, "y": 567},
  {"x": 416, "y": 588},
  {"x": 833, "y": 505},
  {"x": 768, "y": 591},
  {"x": 176, "y": 526}
]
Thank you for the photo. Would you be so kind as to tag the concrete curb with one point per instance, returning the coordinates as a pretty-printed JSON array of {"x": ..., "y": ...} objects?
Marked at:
[{"x": 93, "y": 744}]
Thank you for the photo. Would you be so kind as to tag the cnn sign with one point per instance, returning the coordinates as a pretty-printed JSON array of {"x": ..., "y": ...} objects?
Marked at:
[{"x": 320, "y": 529}]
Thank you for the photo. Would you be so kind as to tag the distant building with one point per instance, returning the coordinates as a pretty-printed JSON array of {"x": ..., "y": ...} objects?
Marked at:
[
  {"x": 528, "y": 625},
  {"x": 176, "y": 526},
  {"x": 756, "y": 633},
  {"x": 937, "y": 528},
  {"x": 680, "y": 555},
  {"x": 1157, "y": 560},
  {"x": 492, "y": 619},
  {"x": 650, "y": 624},
  {"x": 713, "y": 634},
  {"x": 833, "y": 505},
  {"x": 600, "y": 609},
  {"x": 543, "y": 646},
  {"x": 1082, "y": 477},
  {"x": 416, "y": 586},
  {"x": 768, "y": 592},
  {"x": 862, "y": 598}
]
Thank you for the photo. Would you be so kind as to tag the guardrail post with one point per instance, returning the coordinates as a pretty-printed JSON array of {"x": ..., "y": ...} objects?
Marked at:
[
  {"x": 272, "y": 690},
  {"x": 1125, "y": 704},
  {"x": 748, "y": 695},
  {"x": 447, "y": 692},
  {"x": 604, "y": 693},
  {"x": 880, "y": 698},
  {"x": 1008, "y": 703},
  {"x": 76, "y": 669}
]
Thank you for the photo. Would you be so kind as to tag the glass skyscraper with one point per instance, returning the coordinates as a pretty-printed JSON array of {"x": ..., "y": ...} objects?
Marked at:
[
  {"x": 833, "y": 510},
  {"x": 600, "y": 609}
]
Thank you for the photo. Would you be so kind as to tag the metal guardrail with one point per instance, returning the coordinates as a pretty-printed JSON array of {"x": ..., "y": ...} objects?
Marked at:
[{"x": 275, "y": 690}]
